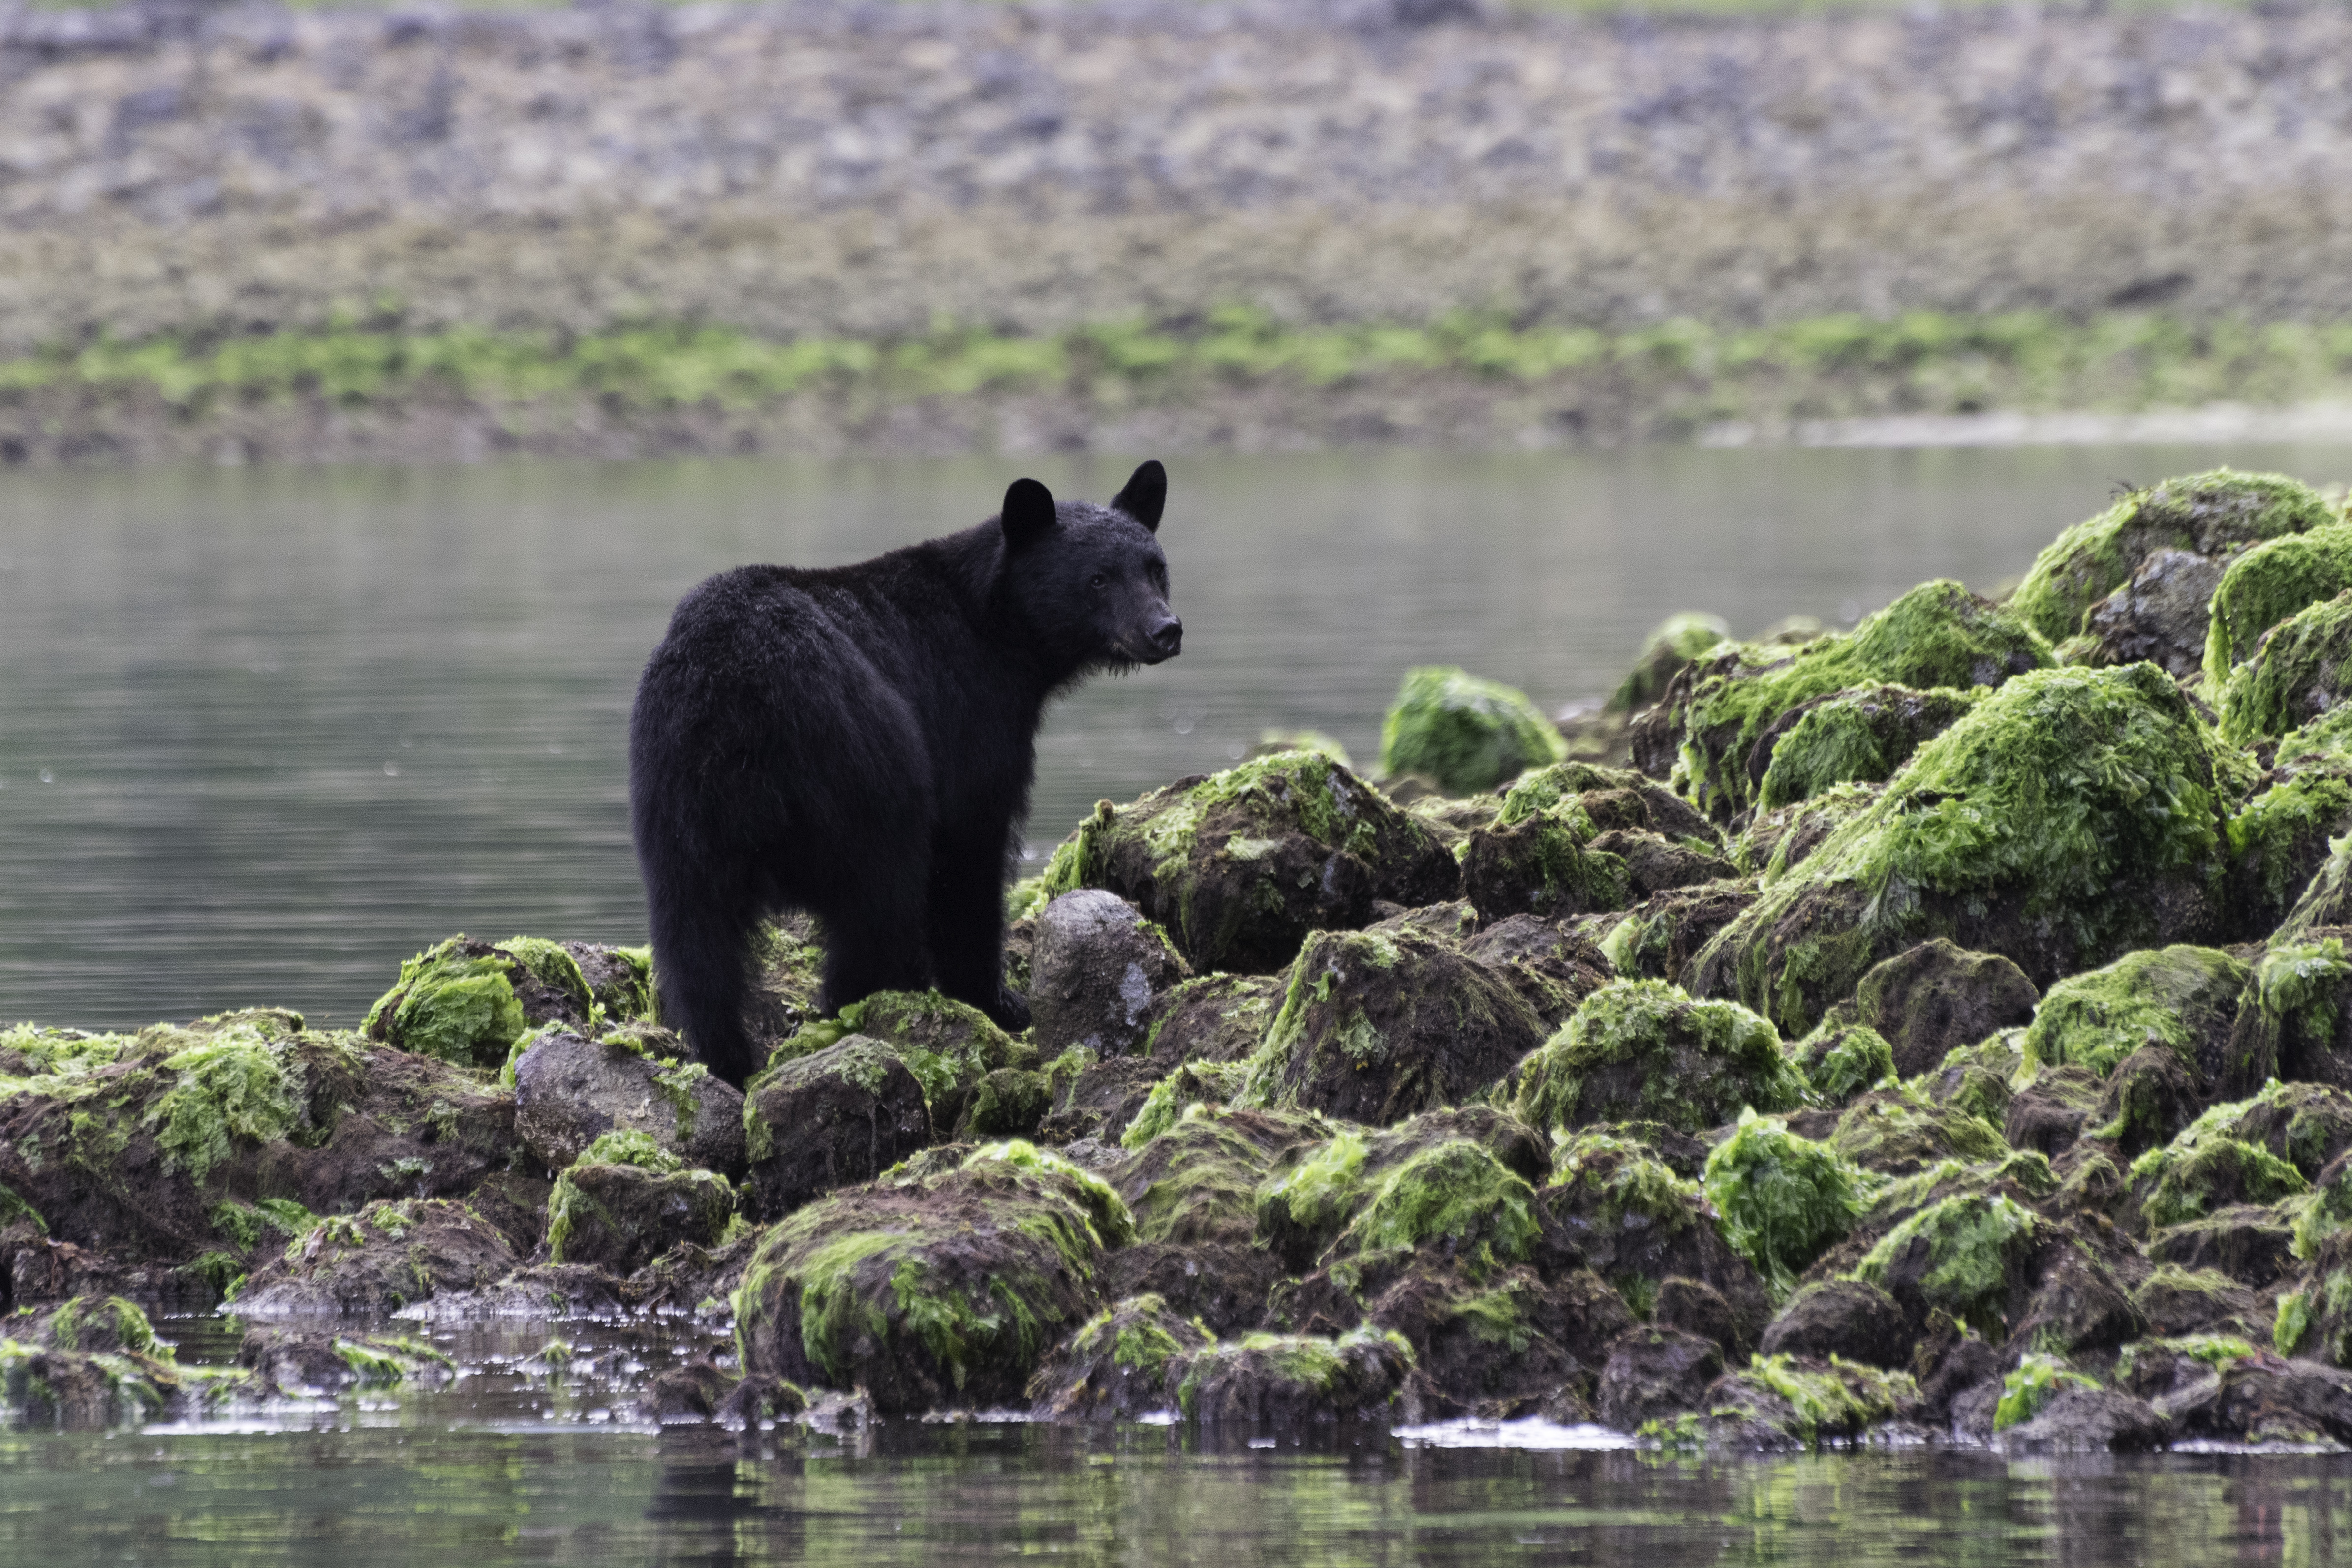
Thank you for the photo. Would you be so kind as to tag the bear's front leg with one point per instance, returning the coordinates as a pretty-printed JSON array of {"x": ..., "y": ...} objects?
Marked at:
[{"x": 967, "y": 925}]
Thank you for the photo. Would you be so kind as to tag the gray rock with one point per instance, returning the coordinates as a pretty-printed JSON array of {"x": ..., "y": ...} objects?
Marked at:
[
  {"x": 1654, "y": 1374},
  {"x": 2090, "y": 1421},
  {"x": 1095, "y": 969},
  {"x": 2160, "y": 614},
  {"x": 842, "y": 1114},
  {"x": 570, "y": 1091},
  {"x": 1850, "y": 1318}
]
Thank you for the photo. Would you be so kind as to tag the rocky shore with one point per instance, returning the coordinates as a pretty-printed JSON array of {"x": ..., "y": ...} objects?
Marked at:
[{"x": 1940, "y": 1031}]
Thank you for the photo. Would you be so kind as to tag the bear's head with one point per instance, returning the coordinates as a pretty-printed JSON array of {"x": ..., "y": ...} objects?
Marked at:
[{"x": 1090, "y": 581}]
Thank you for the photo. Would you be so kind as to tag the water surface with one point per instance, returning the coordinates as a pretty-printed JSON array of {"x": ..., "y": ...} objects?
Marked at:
[{"x": 264, "y": 732}]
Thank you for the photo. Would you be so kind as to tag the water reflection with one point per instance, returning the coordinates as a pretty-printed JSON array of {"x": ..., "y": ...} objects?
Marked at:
[
  {"x": 262, "y": 732},
  {"x": 916, "y": 1494}
]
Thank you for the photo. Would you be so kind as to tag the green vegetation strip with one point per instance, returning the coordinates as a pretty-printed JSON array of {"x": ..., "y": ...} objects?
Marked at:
[{"x": 1820, "y": 368}]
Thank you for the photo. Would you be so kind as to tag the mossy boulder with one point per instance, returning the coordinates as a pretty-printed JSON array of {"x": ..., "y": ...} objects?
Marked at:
[
  {"x": 1846, "y": 1318},
  {"x": 154, "y": 1148},
  {"x": 2295, "y": 1020},
  {"x": 1464, "y": 733},
  {"x": 1779, "y": 1199},
  {"x": 1115, "y": 1367},
  {"x": 829, "y": 1120},
  {"x": 2072, "y": 816},
  {"x": 387, "y": 1256},
  {"x": 1379, "y": 1025},
  {"x": 1638, "y": 1225},
  {"x": 1842, "y": 1061},
  {"x": 949, "y": 1046},
  {"x": 2300, "y": 670},
  {"x": 1501, "y": 1345},
  {"x": 1642, "y": 1050},
  {"x": 627, "y": 1200},
  {"x": 1657, "y": 938},
  {"x": 1551, "y": 967},
  {"x": 945, "y": 1291},
  {"x": 1574, "y": 838},
  {"x": 570, "y": 1091},
  {"x": 1671, "y": 644},
  {"x": 1969, "y": 1256},
  {"x": 2183, "y": 999},
  {"x": 466, "y": 1002},
  {"x": 1461, "y": 1178},
  {"x": 1095, "y": 971},
  {"x": 2053, "y": 1109},
  {"x": 1173, "y": 1095},
  {"x": 1239, "y": 866},
  {"x": 2159, "y": 615},
  {"x": 1932, "y": 999},
  {"x": 1863, "y": 734},
  {"x": 1902, "y": 1131},
  {"x": 1655, "y": 1374},
  {"x": 1213, "y": 1017},
  {"x": 1938, "y": 635},
  {"x": 2269, "y": 584},
  {"x": 1281, "y": 1381},
  {"x": 1197, "y": 1182},
  {"x": 2175, "y": 1302},
  {"x": 298, "y": 1364},
  {"x": 1777, "y": 841},
  {"x": 2215, "y": 515}
]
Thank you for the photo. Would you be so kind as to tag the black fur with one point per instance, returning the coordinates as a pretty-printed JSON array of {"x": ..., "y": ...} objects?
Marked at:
[{"x": 858, "y": 743}]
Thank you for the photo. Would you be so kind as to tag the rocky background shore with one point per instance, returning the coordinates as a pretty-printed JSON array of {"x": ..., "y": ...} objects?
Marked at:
[
  {"x": 184, "y": 175},
  {"x": 1937, "y": 1031}
]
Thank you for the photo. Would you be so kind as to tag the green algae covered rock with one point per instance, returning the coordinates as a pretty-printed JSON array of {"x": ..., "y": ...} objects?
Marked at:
[
  {"x": 2184, "y": 998},
  {"x": 386, "y": 1257},
  {"x": 1238, "y": 867},
  {"x": 2299, "y": 672},
  {"x": 2072, "y": 816},
  {"x": 1900, "y": 1132},
  {"x": 1197, "y": 1183},
  {"x": 946, "y": 1291},
  {"x": 2283, "y": 837},
  {"x": 1379, "y": 1025},
  {"x": 1461, "y": 1178},
  {"x": 1658, "y": 937},
  {"x": 1639, "y": 1225},
  {"x": 1575, "y": 838},
  {"x": 1863, "y": 734},
  {"x": 1642, "y": 1050},
  {"x": 2269, "y": 584},
  {"x": 1777, "y": 841},
  {"x": 2205, "y": 1170},
  {"x": 466, "y": 1002},
  {"x": 1784, "y": 1200},
  {"x": 149, "y": 1146},
  {"x": 1672, "y": 644},
  {"x": 2295, "y": 1019},
  {"x": 1932, "y": 999},
  {"x": 2215, "y": 514},
  {"x": 1841, "y": 1060},
  {"x": 1779, "y": 1403},
  {"x": 1937, "y": 635},
  {"x": 1117, "y": 1367},
  {"x": 627, "y": 1200},
  {"x": 1466, "y": 733},
  {"x": 1290, "y": 1380},
  {"x": 948, "y": 1046},
  {"x": 1968, "y": 1256}
]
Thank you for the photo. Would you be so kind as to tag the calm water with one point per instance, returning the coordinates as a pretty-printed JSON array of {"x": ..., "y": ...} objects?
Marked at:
[{"x": 264, "y": 732}]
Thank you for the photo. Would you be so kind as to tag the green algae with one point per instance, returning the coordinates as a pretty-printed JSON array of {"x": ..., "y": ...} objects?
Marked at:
[
  {"x": 2300, "y": 670},
  {"x": 2028, "y": 1390},
  {"x": 2173, "y": 997},
  {"x": 2214, "y": 514},
  {"x": 1840, "y": 1398},
  {"x": 460, "y": 1009},
  {"x": 1466, "y": 733},
  {"x": 1112, "y": 1224},
  {"x": 1972, "y": 1245},
  {"x": 1671, "y": 644},
  {"x": 1784, "y": 1200},
  {"x": 1173, "y": 1097},
  {"x": 623, "y": 1146},
  {"x": 1644, "y": 1051},
  {"x": 107, "y": 1323},
  {"x": 1321, "y": 1367},
  {"x": 1842, "y": 1061},
  {"x": 235, "y": 1083},
  {"x": 1318, "y": 1194},
  {"x": 1937, "y": 635},
  {"x": 1455, "y": 1194},
  {"x": 2199, "y": 1171},
  {"x": 2269, "y": 584},
  {"x": 1856, "y": 737}
]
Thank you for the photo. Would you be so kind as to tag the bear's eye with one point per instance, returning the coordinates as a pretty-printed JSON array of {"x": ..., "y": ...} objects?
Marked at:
[{"x": 1098, "y": 582}]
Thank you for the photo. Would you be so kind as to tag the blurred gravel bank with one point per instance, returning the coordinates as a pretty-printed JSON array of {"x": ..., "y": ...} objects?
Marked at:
[{"x": 867, "y": 170}]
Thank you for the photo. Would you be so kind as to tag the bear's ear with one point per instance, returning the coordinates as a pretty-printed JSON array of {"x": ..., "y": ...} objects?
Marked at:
[
  {"x": 1028, "y": 514},
  {"x": 1145, "y": 496}
]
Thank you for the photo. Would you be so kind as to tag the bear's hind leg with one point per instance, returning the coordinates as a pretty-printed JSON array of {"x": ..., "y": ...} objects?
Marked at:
[{"x": 702, "y": 949}]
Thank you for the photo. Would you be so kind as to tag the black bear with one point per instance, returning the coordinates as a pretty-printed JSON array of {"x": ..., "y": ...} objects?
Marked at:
[{"x": 858, "y": 742}]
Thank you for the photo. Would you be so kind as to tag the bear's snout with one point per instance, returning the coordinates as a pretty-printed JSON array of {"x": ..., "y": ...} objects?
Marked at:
[{"x": 1166, "y": 638}]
